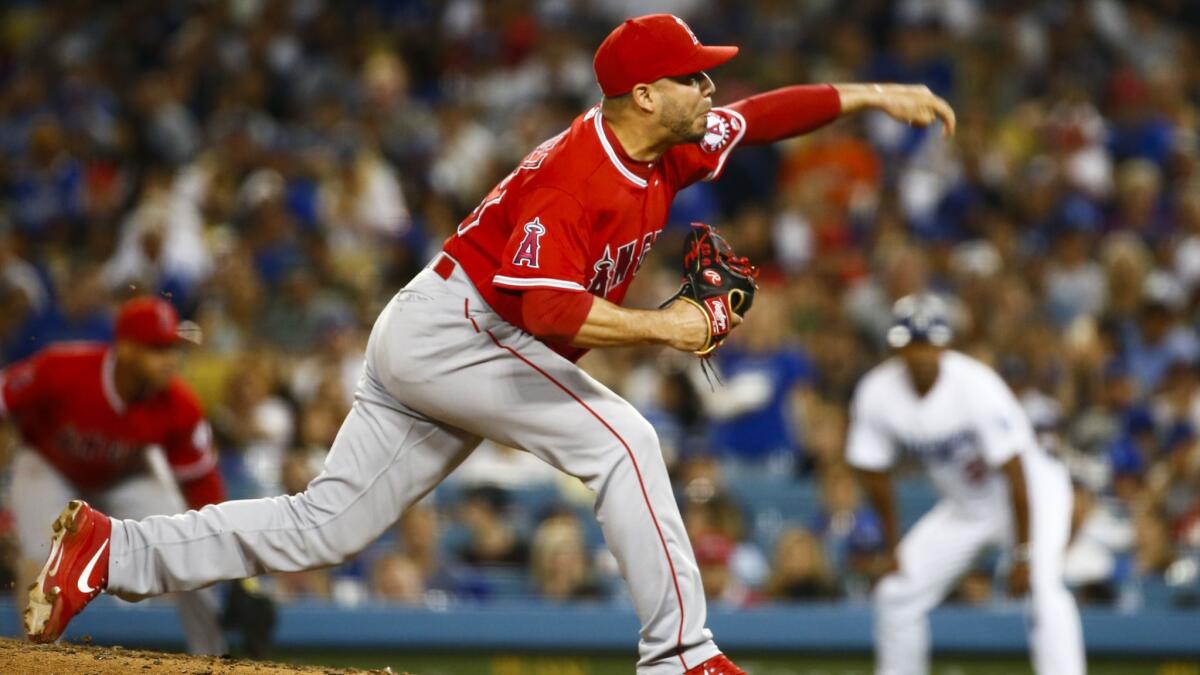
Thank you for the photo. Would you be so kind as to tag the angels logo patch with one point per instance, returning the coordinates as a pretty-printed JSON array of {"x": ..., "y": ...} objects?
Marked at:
[
  {"x": 695, "y": 40},
  {"x": 530, "y": 248},
  {"x": 716, "y": 133}
]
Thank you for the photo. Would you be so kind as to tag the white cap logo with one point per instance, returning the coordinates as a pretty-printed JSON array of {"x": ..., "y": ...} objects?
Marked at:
[
  {"x": 716, "y": 133},
  {"x": 695, "y": 40}
]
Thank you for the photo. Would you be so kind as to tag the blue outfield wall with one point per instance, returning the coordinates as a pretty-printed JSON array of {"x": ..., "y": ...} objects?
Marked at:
[{"x": 519, "y": 626}]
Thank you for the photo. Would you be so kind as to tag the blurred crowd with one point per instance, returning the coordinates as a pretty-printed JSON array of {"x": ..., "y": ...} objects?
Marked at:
[{"x": 278, "y": 169}]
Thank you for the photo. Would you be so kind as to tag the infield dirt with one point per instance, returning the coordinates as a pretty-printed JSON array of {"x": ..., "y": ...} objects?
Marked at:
[{"x": 18, "y": 657}]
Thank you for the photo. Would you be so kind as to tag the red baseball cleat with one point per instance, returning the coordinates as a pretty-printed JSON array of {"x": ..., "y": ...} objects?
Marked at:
[
  {"x": 717, "y": 665},
  {"x": 75, "y": 572}
]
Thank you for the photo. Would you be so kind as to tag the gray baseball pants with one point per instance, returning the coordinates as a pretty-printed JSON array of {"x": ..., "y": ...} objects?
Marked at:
[{"x": 443, "y": 371}]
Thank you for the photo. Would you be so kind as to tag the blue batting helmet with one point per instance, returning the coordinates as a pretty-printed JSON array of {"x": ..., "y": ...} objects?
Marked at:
[{"x": 919, "y": 318}]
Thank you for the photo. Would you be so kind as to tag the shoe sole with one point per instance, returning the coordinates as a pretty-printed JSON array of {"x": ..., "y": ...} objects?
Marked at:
[{"x": 40, "y": 609}]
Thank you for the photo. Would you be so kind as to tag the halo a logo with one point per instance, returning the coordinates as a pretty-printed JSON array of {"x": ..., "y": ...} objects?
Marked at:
[{"x": 716, "y": 133}]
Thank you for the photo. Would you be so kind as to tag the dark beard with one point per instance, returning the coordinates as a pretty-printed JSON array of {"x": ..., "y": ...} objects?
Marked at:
[
  {"x": 680, "y": 124},
  {"x": 692, "y": 136}
]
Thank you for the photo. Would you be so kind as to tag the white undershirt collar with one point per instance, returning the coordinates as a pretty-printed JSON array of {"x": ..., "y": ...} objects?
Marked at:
[
  {"x": 108, "y": 381},
  {"x": 612, "y": 154}
]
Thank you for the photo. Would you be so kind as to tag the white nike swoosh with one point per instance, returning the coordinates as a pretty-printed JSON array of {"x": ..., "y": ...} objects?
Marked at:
[
  {"x": 82, "y": 584},
  {"x": 57, "y": 561}
]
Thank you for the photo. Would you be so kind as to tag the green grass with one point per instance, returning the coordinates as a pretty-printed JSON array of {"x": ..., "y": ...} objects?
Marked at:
[{"x": 546, "y": 664}]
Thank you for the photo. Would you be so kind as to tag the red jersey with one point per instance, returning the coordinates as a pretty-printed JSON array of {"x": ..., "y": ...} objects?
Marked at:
[
  {"x": 578, "y": 214},
  {"x": 64, "y": 401}
]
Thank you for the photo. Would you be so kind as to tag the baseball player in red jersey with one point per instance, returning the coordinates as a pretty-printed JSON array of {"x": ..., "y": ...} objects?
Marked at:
[
  {"x": 482, "y": 344},
  {"x": 97, "y": 420}
]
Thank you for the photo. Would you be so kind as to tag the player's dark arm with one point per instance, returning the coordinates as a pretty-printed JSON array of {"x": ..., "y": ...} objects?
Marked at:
[
  {"x": 1015, "y": 475},
  {"x": 878, "y": 486},
  {"x": 1018, "y": 574},
  {"x": 584, "y": 320},
  {"x": 792, "y": 111}
]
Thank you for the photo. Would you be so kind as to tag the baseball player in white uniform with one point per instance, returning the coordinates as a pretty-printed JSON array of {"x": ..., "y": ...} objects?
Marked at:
[
  {"x": 958, "y": 419},
  {"x": 482, "y": 344}
]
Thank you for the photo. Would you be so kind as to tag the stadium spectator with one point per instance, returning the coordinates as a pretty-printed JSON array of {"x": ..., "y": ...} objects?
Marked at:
[
  {"x": 1093, "y": 559},
  {"x": 850, "y": 532},
  {"x": 799, "y": 570},
  {"x": 159, "y": 247},
  {"x": 493, "y": 539},
  {"x": 714, "y": 554},
  {"x": 419, "y": 533},
  {"x": 1154, "y": 550},
  {"x": 710, "y": 511},
  {"x": 975, "y": 587},
  {"x": 397, "y": 578},
  {"x": 753, "y": 416},
  {"x": 559, "y": 562},
  {"x": 254, "y": 424},
  {"x": 308, "y": 585},
  {"x": 1156, "y": 338}
]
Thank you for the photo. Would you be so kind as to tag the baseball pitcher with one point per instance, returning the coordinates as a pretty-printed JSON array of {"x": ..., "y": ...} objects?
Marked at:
[{"x": 483, "y": 344}]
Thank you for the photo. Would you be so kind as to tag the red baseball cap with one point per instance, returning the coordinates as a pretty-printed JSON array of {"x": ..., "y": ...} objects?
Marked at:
[
  {"x": 647, "y": 48},
  {"x": 713, "y": 549},
  {"x": 150, "y": 321}
]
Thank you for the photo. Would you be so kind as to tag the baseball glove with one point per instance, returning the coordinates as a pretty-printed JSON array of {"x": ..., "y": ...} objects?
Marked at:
[{"x": 715, "y": 280}]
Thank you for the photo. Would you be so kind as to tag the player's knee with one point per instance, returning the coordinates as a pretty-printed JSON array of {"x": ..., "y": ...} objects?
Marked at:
[
  {"x": 641, "y": 440},
  {"x": 892, "y": 593},
  {"x": 633, "y": 448},
  {"x": 634, "y": 434},
  {"x": 1047, "y": 585},
  {"x": 337, "y": 543},
  {"x": 329, "y": 538},
  {"x": 884, "y": 592},
  {"x": 643, "y": 437}
]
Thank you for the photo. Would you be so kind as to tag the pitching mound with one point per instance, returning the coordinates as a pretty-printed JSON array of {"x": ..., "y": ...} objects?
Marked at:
[{"x": 19, "y": 657}]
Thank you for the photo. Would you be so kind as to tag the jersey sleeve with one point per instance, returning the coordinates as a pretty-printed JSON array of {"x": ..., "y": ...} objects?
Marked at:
[
  {"x": 787, "y": 112},
  {"x": 1003, "y": 427},
  {"x": 548, "y": 246},
  {"x": 705, "y": 159},
  {"x": 555, "y": 315},
  {"x": 24, "y": 386},
  {"x": 190, "y": 454},
  {"x": 868, "y": 445}
]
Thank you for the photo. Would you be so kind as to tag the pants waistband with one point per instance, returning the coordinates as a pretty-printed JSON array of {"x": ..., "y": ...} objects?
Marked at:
[
  {"x": 443, "y": 266},
  {"x": 453, "y": 274}
]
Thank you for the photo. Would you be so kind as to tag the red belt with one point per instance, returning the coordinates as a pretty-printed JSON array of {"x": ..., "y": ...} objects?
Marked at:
[{"x": 444, "y": 267}]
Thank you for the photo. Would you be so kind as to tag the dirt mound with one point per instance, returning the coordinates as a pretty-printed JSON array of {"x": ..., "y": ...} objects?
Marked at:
[{"x": 18, "y": 657}]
